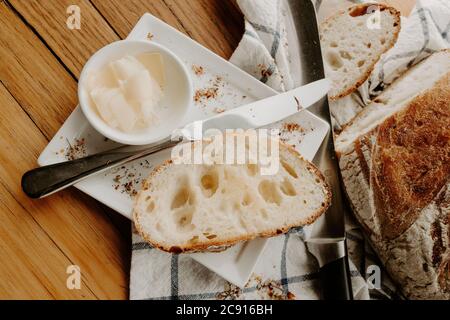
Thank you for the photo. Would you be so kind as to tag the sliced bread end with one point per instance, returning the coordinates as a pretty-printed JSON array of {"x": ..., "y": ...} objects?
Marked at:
[{"x": 351, "y": 48}]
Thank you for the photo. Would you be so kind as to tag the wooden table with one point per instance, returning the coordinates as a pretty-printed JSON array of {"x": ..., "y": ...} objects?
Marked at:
[{"x": 41, "y": 60}]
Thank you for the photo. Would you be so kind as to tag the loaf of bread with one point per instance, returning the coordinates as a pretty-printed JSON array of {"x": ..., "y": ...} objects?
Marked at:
[
  {"x": 353, "y": 42},
  {"x": 395, "y": 164},
  {"x": 189, "y": 208}
]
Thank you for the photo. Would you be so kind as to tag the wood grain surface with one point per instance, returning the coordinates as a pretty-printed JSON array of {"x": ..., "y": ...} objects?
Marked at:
[{"x": 41, "y": 60}]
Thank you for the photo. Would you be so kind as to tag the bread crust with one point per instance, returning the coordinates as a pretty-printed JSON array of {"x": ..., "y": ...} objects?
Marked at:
[
  {"x": 218, "y": 246},
  {"x": 355, "y": 119},
  {"x": 362, "y": 9},
  {"x": 408, "y": 191},
  {"x": 411, "y": 159}
]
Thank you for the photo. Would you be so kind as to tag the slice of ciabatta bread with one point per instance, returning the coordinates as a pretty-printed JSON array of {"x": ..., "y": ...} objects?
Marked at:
[
  {"x": 353, "y": 42},
  {"x": 192, "y": 208}
]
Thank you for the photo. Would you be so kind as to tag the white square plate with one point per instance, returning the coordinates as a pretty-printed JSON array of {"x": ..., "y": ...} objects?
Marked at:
[{"x": 115, "y": 187}]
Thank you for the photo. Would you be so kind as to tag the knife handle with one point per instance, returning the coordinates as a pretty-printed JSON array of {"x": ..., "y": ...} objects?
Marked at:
[
  {"x": 44, "y": 181},
  {"x": 335, "y": 279}
]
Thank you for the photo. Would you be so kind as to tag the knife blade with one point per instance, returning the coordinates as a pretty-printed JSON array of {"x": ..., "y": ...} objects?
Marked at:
[
  {"x": 327, "y": 241},
  {"x": 262, "y": 112},
  {"x": 44, "y": 181}
]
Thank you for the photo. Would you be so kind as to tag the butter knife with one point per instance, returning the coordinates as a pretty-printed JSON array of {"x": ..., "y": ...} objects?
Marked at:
[{"x": 44, "y": 181}]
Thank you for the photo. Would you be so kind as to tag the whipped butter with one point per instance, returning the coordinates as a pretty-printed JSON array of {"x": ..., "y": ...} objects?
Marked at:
[{"x": 127, "y": 92}]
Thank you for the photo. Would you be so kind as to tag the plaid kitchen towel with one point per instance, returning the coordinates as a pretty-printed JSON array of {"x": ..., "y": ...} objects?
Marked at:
[{"x": 286, "y": 270}]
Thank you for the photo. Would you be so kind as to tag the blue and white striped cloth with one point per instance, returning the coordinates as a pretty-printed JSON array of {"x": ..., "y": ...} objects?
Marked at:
[{"x": 286, "y": 270}]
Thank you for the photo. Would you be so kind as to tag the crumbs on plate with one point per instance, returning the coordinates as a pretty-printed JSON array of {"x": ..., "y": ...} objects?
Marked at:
[
  {"x": 198, "y": 70},
  {"x": 75, "y": 150},
  {"x": 291, "y": 127},
  {"x": 291, "y": 131},
  {"x": 127, "y": 179},
  {"x": 219, "y": 110},
  {"x": 150, "y": 36},
  {"x": 202, "y": 96}
]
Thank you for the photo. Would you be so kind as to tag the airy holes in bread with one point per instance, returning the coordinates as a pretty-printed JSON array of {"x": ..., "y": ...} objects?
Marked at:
[
  {"x": 207, "y": 232},
  {"x": 237, "y": 207},
  {"x": 287, "y": 188},
  {"x": 183, "y": 219},
  {"x": 269, "y": 192},
  {"x": 289, "y": 169},
  {"x": 210, "y": 183},
  {"x": 383, "y": 41},
  {"x": 185, "y": 196},
  {"x": 333, "y": 44},
  {"x": 252, "y": 169},
  {"x": 248, "y": 200},
  {"x": 345, "y": 55},
  {"x": 194, "y": 240},
  {"x": 151, "y": 207},
  {"x": 361, "y": 63},
  {"x": 334, "y": 61},
  {"x": 180, "y": 199}
]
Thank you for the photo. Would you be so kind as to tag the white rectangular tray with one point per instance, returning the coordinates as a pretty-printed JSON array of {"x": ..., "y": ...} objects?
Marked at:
[{"x": 115, "y": 188}]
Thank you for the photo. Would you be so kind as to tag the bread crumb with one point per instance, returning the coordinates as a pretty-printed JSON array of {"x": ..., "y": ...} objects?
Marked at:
[
  {"x": 231, "y": 292},
  {"x": 150, "y": 36},
  {"x": 269, "y": 289},
  {"x": 76, "y": 149},
  {"x": 198, "y": 70},
  {"x": 206, "y": 94},
  {"x": 291, "y": 127},
  {"x": 219, "y": 110},
  {"x": 292, "y": 133},
  {"x": 128, "y": 179},
  {"x": 273, "y": 290}
]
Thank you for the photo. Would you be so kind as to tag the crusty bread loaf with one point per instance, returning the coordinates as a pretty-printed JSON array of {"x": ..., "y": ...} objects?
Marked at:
[
  {"x": 416, "y": 80},
  {"x": 188, "y": 208},
  {"x": 351, "y": 48},
  {"x": 396, "y": 172}
]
